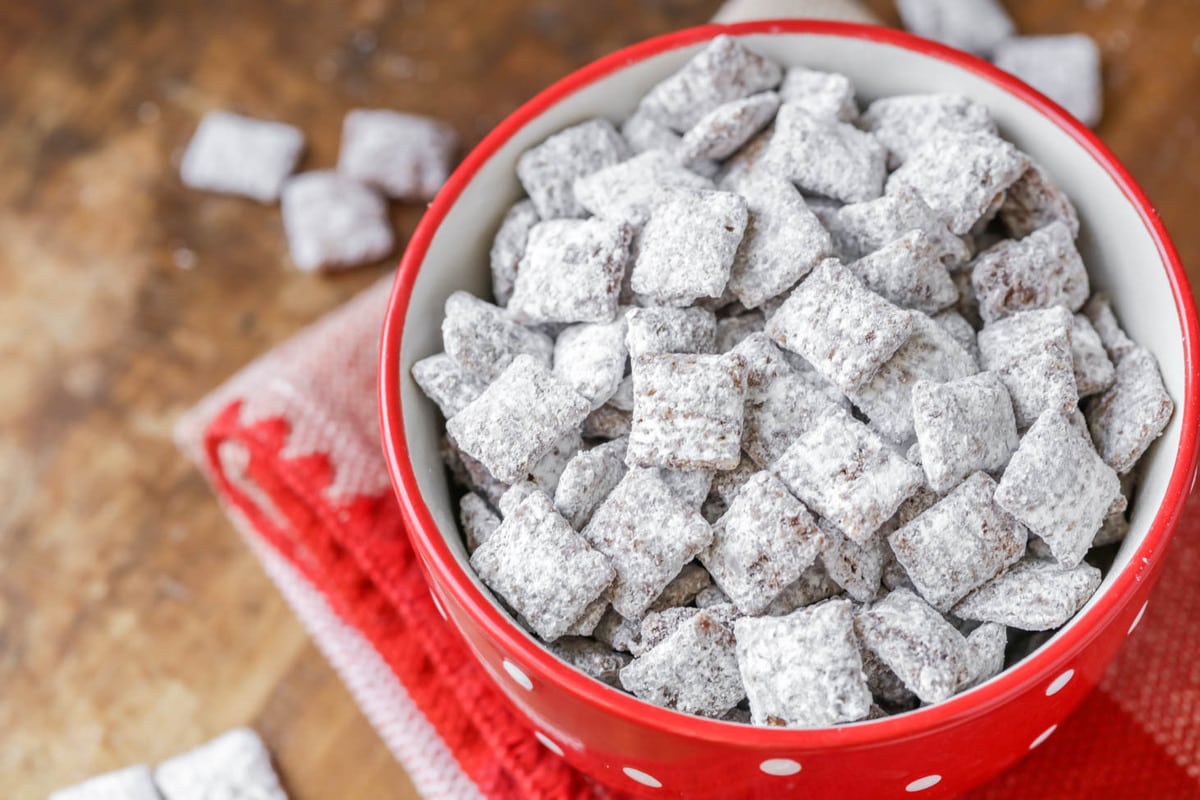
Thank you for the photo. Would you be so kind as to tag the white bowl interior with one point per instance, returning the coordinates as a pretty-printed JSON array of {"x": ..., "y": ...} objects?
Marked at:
[{"x": 1120, "y": 254}]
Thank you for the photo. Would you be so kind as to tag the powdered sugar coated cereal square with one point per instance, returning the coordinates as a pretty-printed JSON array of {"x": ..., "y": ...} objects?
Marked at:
[
  {"x": 233, "y": 154},
  {"x": 408, "y": 156},
  {"x": 477, "y": 519},
  {"x": 781, "y": 407},
  {"x": 1042, "y": 270},
  {"x": 587, "y": 480},
  {"x": 628, "y": 191},
  {"x": 548, "y": 171},
  {"x": 860, "y": 229},
  {"x": 822, "y": 94},
  {"x": 986, "y": 646},
  {"x": 1094, "y": 372},
  {"x": 447, "y": 383},
  {"x": 1032, "y": 596},
  {"x": 955, "y": 324},
  {"x": 1031, "y": 352},
  {"x": 509, "y": 246},
  {"x": 1034, "y": 202},
  {"x": 235, "y": 764},
  {"x": 909, "y": 272},
  {"x": 813, "y": 586},
  {"x": 670, "y": 330},
  {"x": 571, "y": 271},
  {"x": 904, "y": 123},
  {"x": 855, "y": 568},
  {"x": 826, "y": 157},
  {"x": 1127, "y": 418},
  {"x": 591, "y": 358},
  {"x": 480, "y": 337},
  {"x": 332, "y": 221},
  {"x": 689, "y": 485},
  {"x": 963, "y": 426},
  {"x": 720, "y": 132},
  {"x": 1099, "y": 312},
  {"x": 549, "y": 467},
  {"x": 1064, "y": 68},
  {"x": 977, "y": 26}
]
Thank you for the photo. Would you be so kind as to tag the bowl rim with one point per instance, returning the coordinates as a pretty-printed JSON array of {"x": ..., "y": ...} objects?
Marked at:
[{"x": 440, "y": 560}]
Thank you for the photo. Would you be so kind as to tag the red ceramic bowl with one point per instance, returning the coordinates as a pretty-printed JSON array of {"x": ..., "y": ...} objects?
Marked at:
[{"x": 938, "y": 751}]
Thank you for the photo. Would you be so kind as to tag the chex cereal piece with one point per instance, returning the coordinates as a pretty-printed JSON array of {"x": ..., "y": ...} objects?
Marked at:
[
  {"x": 332, "y": 221},
  {"x": 542, "y": 567},
  {"x": 822, "y": 94},
  {"x": 587, "y": 480},
  {"x": 803, "y": 670},
  {"x": 858, "y": 569},
  {"x": 1100, "y": 313},
  {"x": 607, "y": 422},
  {"x": 548, "y": 171},
  {"x": 1064, "y": 68},
  {"x": 960, "y": 175},
  {"x": 1032, "y": 596},
  {"x": 592, "y": 658},
  {"x": 408, "y": 156},
  {"x": 725, "y": 486},
  {"x": 923, "y": 649},
  {"x": 813, "y": 586},
  {"x": 1094, "y": 372},
  {"x": 1031, "y": 351},
  {"x": 670, "y": 330},
  {"x": 131, "y": 783},
  {"x": 784, "y": 240},
  {"x": 827, "y": 157},
  {"x": 957, "y": 326},
  {"x": 745, "y": 161},
  {"x": 1128, "y": 417},
  {"x": 977, "y": 26},
  {"x": 930, "y": 354},
  {"x": 480, "y": 337},
  {"x": 1044, "y": 269},
  {"x": 687, "y": 247},
  {"x": 235, "y": 764},
  {"x": 617, "y": 632},
  {"x": 721, "y": 72},
  {"x": 763, "y": 543},
  {"x": 586, "y": 624},
  {"x": 470, "y": 474},
  {"x": 960, "y": 543},
  {"x": 643, "y": 132},
  {"x": 687, "y": 411},
  {"x": 627, "y": 191},
  {"x": 1058, "y": 486},
  {"x": 720, "y": 132},
  {"x": 765, "y": 359},
  {"x": 571, "y": 271},
  {"x": 591, "y": 357},
  {"x": 516, "y": 494},
  {"x": 860, "y": 229},
  {"x": 545, "y": 473},
  {"x": 906, "y": 122},
  {"x": 962, "y": 426},
  {"x": 447, "y": 383},
  {"x": 658, "y": 625},
  {"x": 842, "y": 470},
  {"x": 839, "y": 326},
  {"x": 732, "y": 331},
  {"x": 689, "y": 485},
  {"x": 683, "y": 588},
  {"x": 889, "y": 691},
  {"x": 509, "y": 246},
  {"x": 233, "y": 154},
  {"x": 478, "y": 520},
  {"x": 694, "y": 670},
  {"x": 649, "y": 534},
  {"x": 517, "y": 419},
  {"x": 908, "y": 272},
  {"x": 781, "y": 407},
  {"x": 1035, "y": 201},
  {"x": 985, "y": 653}
]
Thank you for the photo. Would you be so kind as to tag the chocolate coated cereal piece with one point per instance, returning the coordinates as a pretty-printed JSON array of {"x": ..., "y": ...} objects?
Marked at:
[
  {"x": 1058, "y": 486},
  {"x": 963, "y": 426},
  {"x": 130, "y": 783},
  {"x": 960, "y": 175},
  {"x": 470, "y": 474},
  {"x": 1042, "y": 270},
  {"x": 478, "y": 520},
  {"x": 694, "y": 670},
  {"x": 860, "y": 229},
  {"x": 781, "y": 407},
  {"x": 720, "y": 132},
  {"x": 985, "y": 653},
  {"x": 1100, "y": 313},
  {"x": 732, "y": 331},
  {"x": 484, "y": 341},
  {"x": 957, "y": 326},
  {"x": 332, "y": 221},
  {"x": 908, "y": 272},
  {"x": 1035, "y": 201},
  {"x": 658, "y": 625},
  {"x": 587, "y": 480},
  {"x": 548, "y": 171},
  {"x": 822, "y": 94},
  {"x": 839, "y": 326},
  {"x": 783, "y": 240},
  {"x": 571, "y": 271},
  {"x": 721, "y": 72},
  {"x": 447, "y": 383},
  {"x": 509, "y": 246},
  {"x": 858, "y": 569},
  {"x": 687, "y": 411},
  {"x": 617, "y": 632},
  {"x": 1031, "y": 351},
  {"x": 233, "y": 154},
  {"x": 803, "y": 670},
  {"x": 607, "y": 422},
  {"x": 627, "y": 192},
  {"x": 542, "y": 568},
  {"x": 889, "y": 691},
  {"x": 516, "y": 494},
  {"x": 1114, "y": 529},
  {"x": 1064, "y": 68},
  {"x": 590, "y": 618},
  {"x": 813, "y": 586},
  {"x": 906, "y": 122},
  {"x": 689, "y": 485},
  {"x": 591, "y": 358},
  {"x": 592, "y": 658},
  {"x": 725, "y": 486},
  {"x": 762, "y": 543},
  {"x": 683, "y": 588},
  {"x": 670, "y": 330},
  {"x": 841, "y": 469},
  {"x": 687, "y": 247},
  {"x": 923, "y": 649},
  {"x": 959, "y": 544},
  {"x": 765, "y": 360},
  {"x": 1094, "y": 372},
  {"x": 1128, "y": 417},
  {"x": 408, "y": 156},
  {"x": 977, "y": 26},
  {"x": 517, "y": 419},
  {"x": 826, "y": 157},
  {"x": 1032, "y": 596},
  {"x": 235, "y": 764},
  {"x": 748, "y": 160},
  {"x": 546, "y": 471},
  {"x": 649, "y": 534}
]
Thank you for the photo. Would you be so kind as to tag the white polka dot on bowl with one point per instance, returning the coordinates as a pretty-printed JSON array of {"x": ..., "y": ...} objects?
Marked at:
[
  {"x": 780, "y": 766},
  {"x": 1043, "y": 736},
  {"x": 1058, "y": 683},
  {"x": 517, "y": 675},
  {"x": 548, "y": 743},
  {"x": 1138, "y": 619},
  {"x": 921, "y": 784},
  {"x": 644, "y": 778}
]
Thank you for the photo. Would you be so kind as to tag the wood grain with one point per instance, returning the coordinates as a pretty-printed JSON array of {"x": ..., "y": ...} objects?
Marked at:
[{"x": 133, "y": 623}]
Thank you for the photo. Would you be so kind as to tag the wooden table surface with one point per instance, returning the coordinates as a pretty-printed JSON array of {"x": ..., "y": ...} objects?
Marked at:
[{"x": 133, "y": 623}]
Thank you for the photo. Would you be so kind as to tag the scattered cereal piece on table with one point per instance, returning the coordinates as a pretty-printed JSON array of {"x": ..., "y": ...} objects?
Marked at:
[
  {"x": 587, "y": 480},
  {"x": 478, "y": 520},
  {"x": 670, "y": 330},
  {"x": 1094, "y": 372},
  {"x": 1032, "y": 596},
  {"x": 233, "y": 154},
  {"x": 1031, "y": 352},
  {"x": 963, "y": 426},
  {"x": 571, "y": 271},
  {"x": 447, "y": 383},
  {"x": 592, "y": 658},
  {"x": 822, "y": 94},
  {"x": 590, "y": 358},
  {"x": 826, "y": 157},
  {"x": 1034, "y": 202},
  {"x": 408, "y": 156},
  {"x": 1127, "y": 418},
  {"x": 235, "y": 764},
  {"x": 908, "y": 272},
  {"x": 977, "y": 26},
  {"x": 1064, "y": 68},
  {"x": 332, "y": 222},
  {"x": 509, "y": 246},
  {"x": 131, "y": 783},
  {"x": 480, "y": 337},
  {"x": 906, "y": 122},
  {"x": 548, "y": 170},
  {"x": 856, "y": 568},
  {"x": 1042, "y": 270},
  {"x": 722, "y": 131},
  {"x": 860, "y": 229}
]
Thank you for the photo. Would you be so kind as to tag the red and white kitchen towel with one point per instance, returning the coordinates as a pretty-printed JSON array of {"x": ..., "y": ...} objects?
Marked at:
[{"x": 291, "y": 446}]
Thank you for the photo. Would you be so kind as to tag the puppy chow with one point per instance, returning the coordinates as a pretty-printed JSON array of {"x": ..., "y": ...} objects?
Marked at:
[
  {"x": 591, "y": 357},
  {"x": 1126, "y": 419},
  {"x": 508, "y": 247},
  {"x": 670, "y": 330},
  {"x": 233, "y": 154},
  {"x": 826, "y": 157},
  {"x": 332, "y": 222},
  {"x": 1042, "y": 270},
  {"x": 963, "y": 426},
  {"x": 484, "y": 341},
  {"x": 447, "y": 383},
  {"x": 860, "y": 229},
  {"x": 822, "y": 94},
  {"x": 1064, "y": 68},
  {"x": 571, "y": 272},
  {"x": 1034, "y": 595},
  {"x": 1035, "y": 201},
  {"x": 548, "y": 170},
  {"x": 627, "y": 192},
  {"x": 1031, "y": 352},
  {"x": 587, "y": 479},
  {"x": 407, "y": 156},
  {"x": 1094, "y": 372},
  {"x": 903, "y": 124},
  {"x": 722, "y": 131}
]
